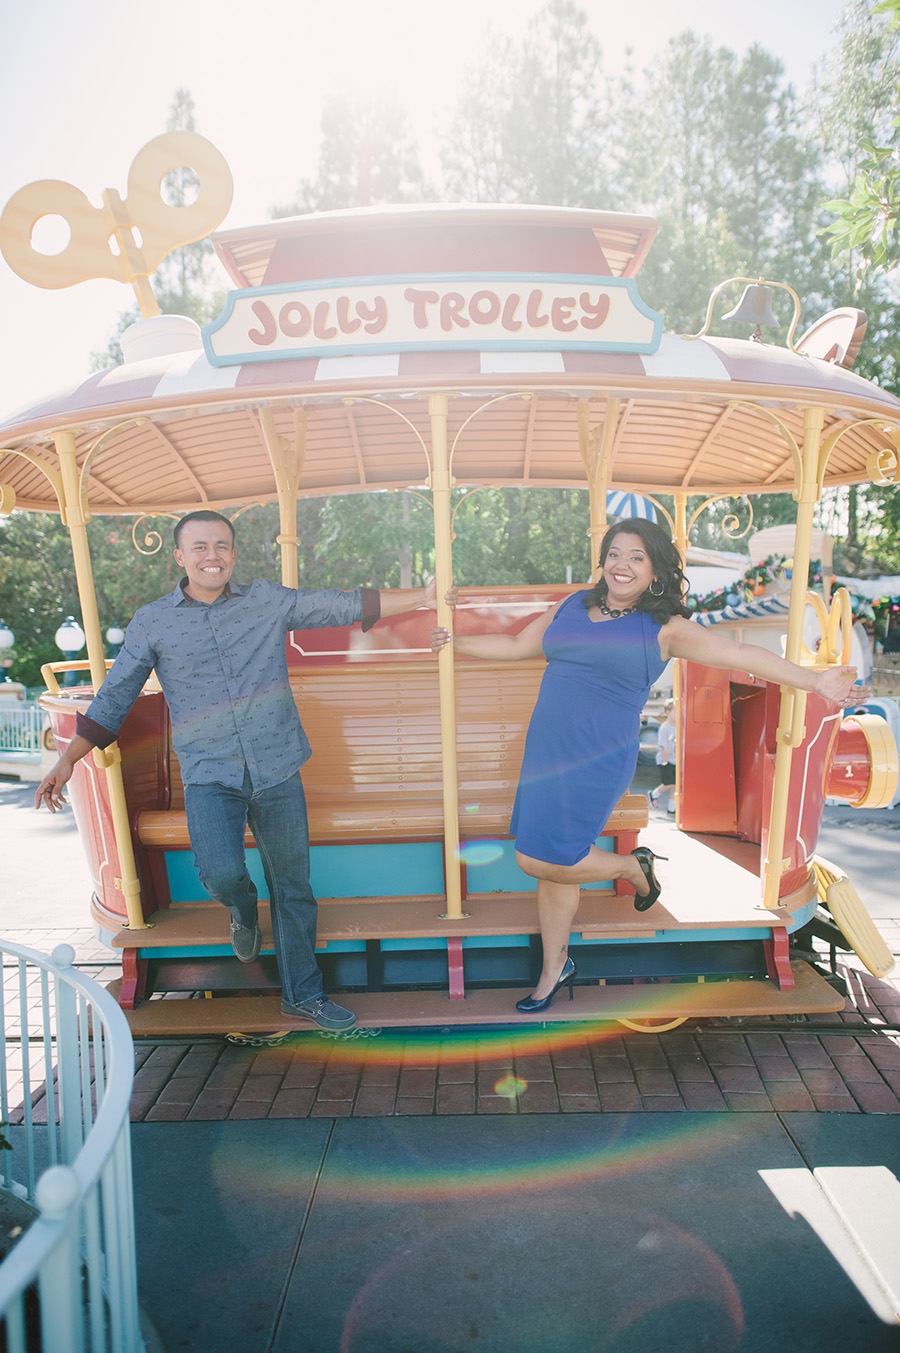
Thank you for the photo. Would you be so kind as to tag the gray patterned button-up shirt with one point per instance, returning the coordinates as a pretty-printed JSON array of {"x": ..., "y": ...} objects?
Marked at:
[{"x": 223, "y": 671}]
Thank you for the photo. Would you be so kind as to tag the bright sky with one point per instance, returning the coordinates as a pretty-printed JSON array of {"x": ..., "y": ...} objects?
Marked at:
[{"x": 86, "y": 85}]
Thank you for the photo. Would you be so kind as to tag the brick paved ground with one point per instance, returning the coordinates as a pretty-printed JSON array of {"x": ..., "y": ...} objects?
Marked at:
[{"x": 847, "y": 1062}]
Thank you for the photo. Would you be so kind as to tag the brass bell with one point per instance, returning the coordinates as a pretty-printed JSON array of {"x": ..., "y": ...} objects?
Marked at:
[{"x": 754, "y": 307}]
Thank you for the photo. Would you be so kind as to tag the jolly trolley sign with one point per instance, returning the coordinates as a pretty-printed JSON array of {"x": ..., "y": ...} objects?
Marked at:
[{"x": 481, "y": 311}]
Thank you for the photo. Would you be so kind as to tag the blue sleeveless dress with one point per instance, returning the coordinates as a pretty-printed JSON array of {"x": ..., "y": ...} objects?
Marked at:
[{"x": 582, "y": 743}]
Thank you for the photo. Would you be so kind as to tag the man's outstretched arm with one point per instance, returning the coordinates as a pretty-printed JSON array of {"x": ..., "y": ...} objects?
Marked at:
[{"x": 398, "y": 600}]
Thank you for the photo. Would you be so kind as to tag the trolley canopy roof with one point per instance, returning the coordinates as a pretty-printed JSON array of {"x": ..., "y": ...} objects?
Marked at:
[{"x": 705, "y": 416}]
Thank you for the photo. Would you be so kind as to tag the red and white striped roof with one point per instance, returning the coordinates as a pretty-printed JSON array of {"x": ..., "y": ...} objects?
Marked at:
[{"x": 706, "y": 416}]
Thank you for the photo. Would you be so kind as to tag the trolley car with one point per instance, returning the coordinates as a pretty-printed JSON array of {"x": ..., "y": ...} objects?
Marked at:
[{"x": 426, "y": 349}]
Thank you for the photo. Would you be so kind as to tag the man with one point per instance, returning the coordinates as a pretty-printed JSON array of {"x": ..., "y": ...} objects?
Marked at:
[{"x": 218, "y": 649}]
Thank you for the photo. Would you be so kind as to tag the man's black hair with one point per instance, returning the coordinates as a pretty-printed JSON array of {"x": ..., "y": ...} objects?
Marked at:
[{"x": 202, "y": 515}]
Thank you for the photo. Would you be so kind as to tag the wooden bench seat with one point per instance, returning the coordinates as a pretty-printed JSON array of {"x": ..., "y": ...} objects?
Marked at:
[
  {"x": 336, "y": 820},
  {"x": 375, "y": 773}
]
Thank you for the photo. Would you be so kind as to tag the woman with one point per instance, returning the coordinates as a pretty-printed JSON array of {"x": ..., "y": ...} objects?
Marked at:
[{"x": 605, "y": 648}]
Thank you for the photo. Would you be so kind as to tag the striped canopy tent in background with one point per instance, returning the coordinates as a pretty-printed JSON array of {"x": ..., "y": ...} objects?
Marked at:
[
  {"x": 758, "y": 609},
  {"x": 620, "y": 505}
]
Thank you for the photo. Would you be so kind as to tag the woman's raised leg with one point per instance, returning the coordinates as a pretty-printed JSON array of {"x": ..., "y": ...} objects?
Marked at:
[{"x": 597, "y": 866}]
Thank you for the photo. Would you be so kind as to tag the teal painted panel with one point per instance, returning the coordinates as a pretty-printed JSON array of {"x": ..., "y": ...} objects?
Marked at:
[
  {"x": 394, "y": 946},
  {"x": 800, "y": 918},
  {"x": 678, "y": 937},
  {"x": 184, "y": 881},
  {"x": 393, "y": 869},
  {"x": 217, "y": 950},
  {"x": 195, "y": 951},
  {"x": 495, "y": 941},
  {"x": 469, "y": 942},
  {"x": 522, "y": 941}
]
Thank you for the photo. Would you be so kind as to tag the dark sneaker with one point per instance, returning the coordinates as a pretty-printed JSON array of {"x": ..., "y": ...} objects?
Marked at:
[
  {"x": 321, "y": 1011},
  {"x": 245, "y": 941}
]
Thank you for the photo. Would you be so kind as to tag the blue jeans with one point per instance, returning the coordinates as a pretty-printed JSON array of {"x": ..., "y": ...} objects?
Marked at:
[{"x": 216, "y": 817}]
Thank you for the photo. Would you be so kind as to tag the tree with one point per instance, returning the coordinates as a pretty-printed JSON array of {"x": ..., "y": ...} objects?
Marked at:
[
  {"x": 368, "y": 155},
  {"x": 509, "y": 536},
  {"x": 183, "y": 281},
  {"x": 532, "y": 122},
  {"x": 673, "y": 146},
  {"x": 716, "y": 148},
  {"x": 38, "y": 588},
  {"x": 859, "y": 97},
  {"x": 856, "y": 101}
]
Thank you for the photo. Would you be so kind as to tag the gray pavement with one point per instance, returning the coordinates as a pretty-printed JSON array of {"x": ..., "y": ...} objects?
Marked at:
[
  {"x": 45, "y": 878},
  {"x": 629, "y": 1234}
]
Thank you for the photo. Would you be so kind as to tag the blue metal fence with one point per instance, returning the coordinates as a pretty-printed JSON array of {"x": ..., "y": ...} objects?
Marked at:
[{"x": 21, "y": 729}]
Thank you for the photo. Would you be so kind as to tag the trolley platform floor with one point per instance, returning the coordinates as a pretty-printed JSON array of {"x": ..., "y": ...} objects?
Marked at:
[{"x": 261, "y": 1013}]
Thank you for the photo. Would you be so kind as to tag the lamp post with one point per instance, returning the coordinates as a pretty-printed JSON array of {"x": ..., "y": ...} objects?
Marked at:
[
  {"x": 115, "y": 637},
  {"x": 69, "y": 639},
  {"x": 7, "y": 654}
]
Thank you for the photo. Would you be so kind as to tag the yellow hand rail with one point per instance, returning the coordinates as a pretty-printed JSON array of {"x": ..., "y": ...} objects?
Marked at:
[{"x": 50, "y": 669}]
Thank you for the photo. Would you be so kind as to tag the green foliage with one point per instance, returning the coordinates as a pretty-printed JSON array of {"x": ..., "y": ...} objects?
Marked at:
[
  {"x": 861, "y": 124},
  {"x": 368, "y": 155},
  {"x": 869, "y": 219},
  {"x": 530, "y": 124},
  {"x": 891, "y": 7},
  {"x": 510, "y": 536},
  {"x": 38, "y": 588}
]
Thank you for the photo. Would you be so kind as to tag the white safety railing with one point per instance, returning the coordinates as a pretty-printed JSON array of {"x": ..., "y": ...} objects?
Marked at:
[
  {"x": 69, "y": 1285},
  {"x": 21, "y": 728}
]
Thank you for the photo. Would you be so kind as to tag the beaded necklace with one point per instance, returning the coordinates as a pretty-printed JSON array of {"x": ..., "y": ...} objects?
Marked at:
[{"x": 604, "y": 610}]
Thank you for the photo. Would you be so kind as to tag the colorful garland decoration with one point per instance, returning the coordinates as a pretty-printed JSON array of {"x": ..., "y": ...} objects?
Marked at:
[{"x": 776, "y": 568}]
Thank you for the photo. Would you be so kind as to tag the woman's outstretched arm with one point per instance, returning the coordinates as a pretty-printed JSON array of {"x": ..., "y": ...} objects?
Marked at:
[
  {"x": 682, "y": 638},
  {"x": 497, "y": 647}
]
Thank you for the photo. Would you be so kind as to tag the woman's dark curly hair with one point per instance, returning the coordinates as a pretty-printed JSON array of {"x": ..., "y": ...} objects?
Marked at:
[{"x": 666, "y": 563}]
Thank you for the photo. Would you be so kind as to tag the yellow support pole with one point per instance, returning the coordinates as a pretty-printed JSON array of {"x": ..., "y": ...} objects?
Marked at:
[
  {"x": 681, "y": 544},
  {"x": 287, "y": 480},
  {"x": 76, "y": 517},
  {"x": 443, "y": 555},
  {"x": 791, "y": 728},
  {"x": 681, "y": 530},
  {"x": 596, "y": 449}
]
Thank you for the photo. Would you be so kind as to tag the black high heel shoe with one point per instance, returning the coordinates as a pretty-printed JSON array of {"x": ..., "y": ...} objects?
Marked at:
[
  {"x": 529, "y": 1006},
  {"x": 645, "y": 857}
]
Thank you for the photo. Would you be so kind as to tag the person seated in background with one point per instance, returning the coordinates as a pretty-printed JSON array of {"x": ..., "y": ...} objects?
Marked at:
[
  {"x": 665, "y": 759},
  {"x": 863, "y": 652}
]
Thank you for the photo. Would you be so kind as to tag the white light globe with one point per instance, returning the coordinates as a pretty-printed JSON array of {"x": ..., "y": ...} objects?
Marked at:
[{"x": 69, "y": 638}]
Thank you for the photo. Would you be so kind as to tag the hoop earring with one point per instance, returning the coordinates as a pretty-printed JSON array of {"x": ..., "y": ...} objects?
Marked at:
[{"x": 652, "y": 590}]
